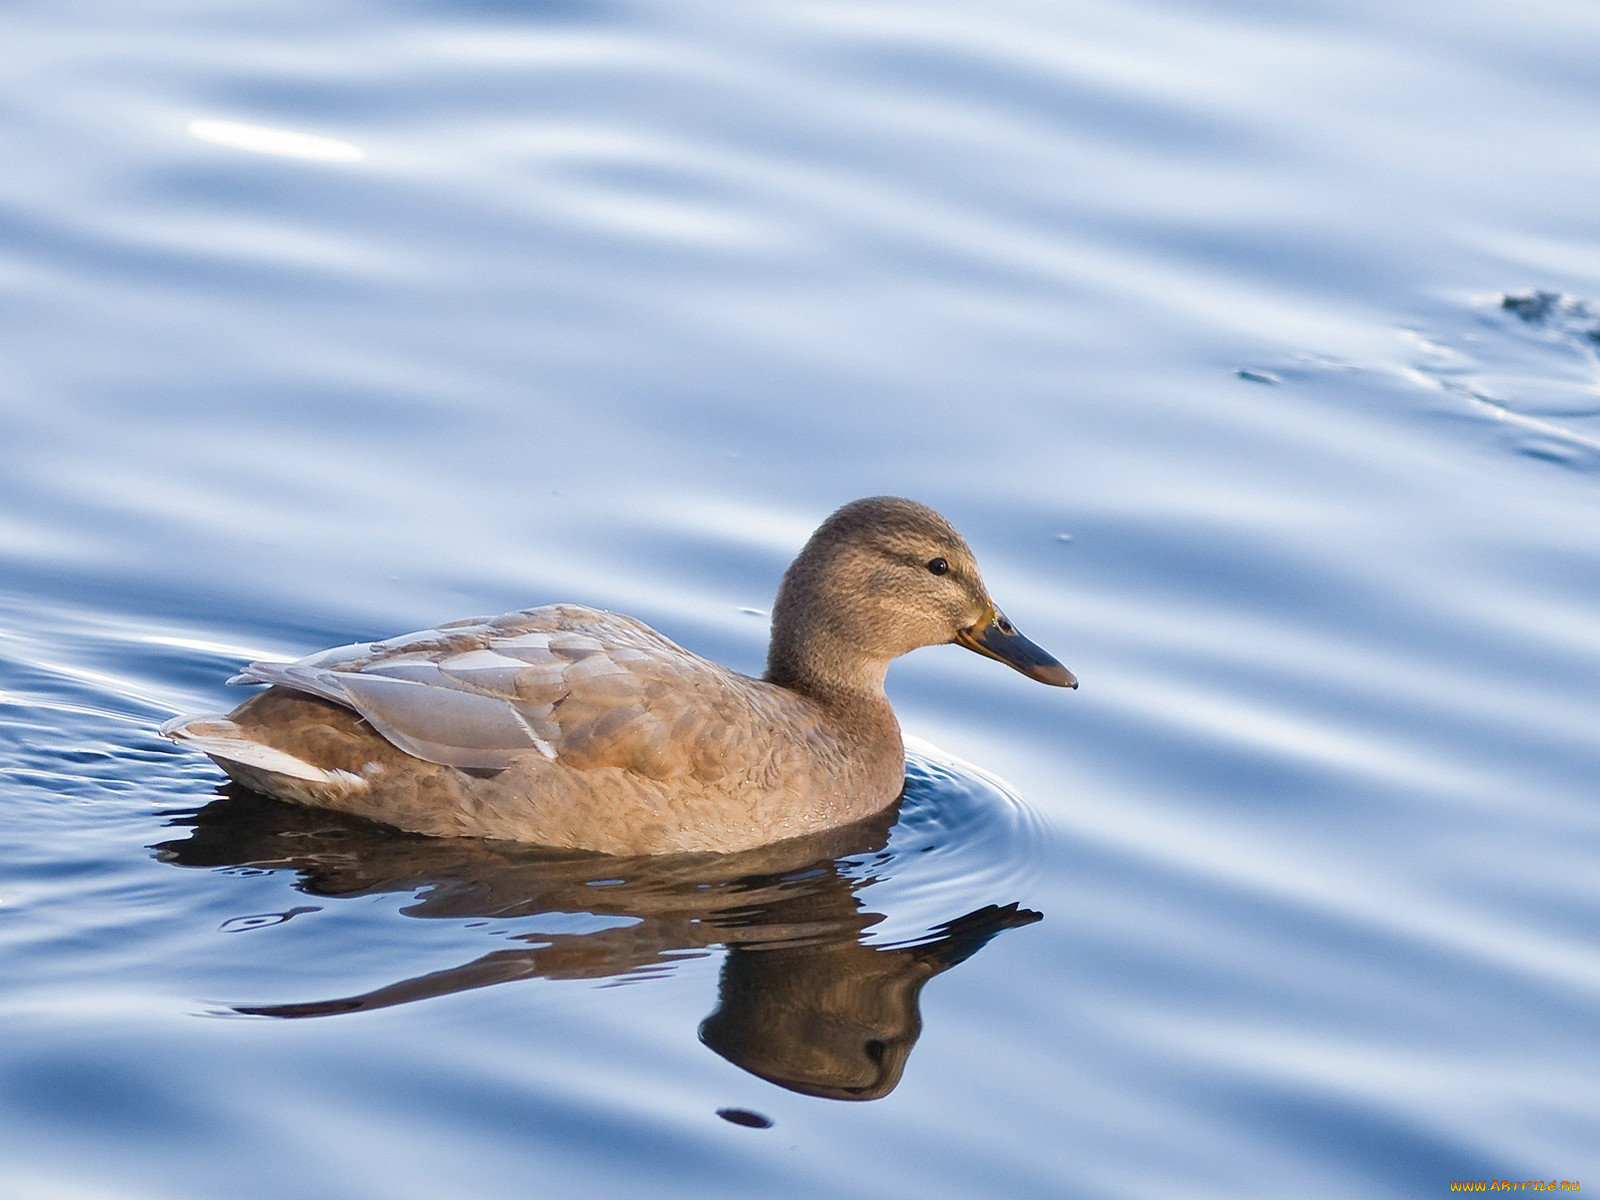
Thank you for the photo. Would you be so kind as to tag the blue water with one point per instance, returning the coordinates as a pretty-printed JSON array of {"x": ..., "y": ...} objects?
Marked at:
[{"x": 1254, "y": 349}]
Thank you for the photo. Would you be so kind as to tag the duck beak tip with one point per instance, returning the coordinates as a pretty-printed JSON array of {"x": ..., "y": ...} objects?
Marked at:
[{"x": 998, "y": 639}]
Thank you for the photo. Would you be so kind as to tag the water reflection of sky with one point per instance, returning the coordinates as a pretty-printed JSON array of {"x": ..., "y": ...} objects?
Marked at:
[{"x": 615, "y": 303}]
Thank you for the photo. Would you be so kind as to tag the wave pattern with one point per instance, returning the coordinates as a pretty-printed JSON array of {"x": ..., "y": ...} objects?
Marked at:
[{"x": 1252, "y": 347}]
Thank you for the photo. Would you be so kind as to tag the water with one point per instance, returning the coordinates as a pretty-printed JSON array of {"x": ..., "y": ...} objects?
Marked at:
[{"x": 1192, "y": 316}]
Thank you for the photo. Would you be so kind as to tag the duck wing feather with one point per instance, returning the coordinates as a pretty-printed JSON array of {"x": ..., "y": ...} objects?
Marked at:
[{"x": 582, "y": 686}]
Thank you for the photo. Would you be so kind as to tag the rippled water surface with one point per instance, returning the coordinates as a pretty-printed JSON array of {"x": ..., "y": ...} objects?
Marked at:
[{"x": 1254, "y": 348}]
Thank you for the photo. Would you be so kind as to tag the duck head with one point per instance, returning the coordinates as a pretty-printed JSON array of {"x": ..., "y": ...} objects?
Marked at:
[{"x": 879, "y": 578}]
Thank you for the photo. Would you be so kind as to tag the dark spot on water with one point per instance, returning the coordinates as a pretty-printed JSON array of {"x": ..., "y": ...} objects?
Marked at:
[
  {"x": 1567, "y": 314},
  {"x": 264, "y": 920},
  {"x": 743, "y": 1116},
  {"x": 1533, "y": 307},
  {"x": 1257, "y": 376},
  {"x": 1554, "y": 450}
]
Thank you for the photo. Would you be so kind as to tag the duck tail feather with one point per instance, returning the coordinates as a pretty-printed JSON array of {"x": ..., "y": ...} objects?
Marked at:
[{"x": 262, "y": 767}]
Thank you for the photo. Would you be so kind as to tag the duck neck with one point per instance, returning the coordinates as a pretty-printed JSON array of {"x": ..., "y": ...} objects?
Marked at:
[
  {"x": 833, "y": 675},
  {"x": 822, "y": 646}
]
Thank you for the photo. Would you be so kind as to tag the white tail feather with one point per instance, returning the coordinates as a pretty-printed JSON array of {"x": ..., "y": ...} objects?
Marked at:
[{"x": 216, "y": 737}]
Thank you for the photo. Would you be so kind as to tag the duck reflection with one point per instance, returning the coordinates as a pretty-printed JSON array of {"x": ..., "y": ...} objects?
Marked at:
[{"x": 804, "y": 1001}]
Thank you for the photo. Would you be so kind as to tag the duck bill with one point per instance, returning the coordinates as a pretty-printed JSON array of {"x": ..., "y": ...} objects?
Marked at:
[{"x": 997, "y": 638}]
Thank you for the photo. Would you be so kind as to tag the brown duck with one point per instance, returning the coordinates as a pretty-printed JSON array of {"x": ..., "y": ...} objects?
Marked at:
[{"x": 571, "y": 727}]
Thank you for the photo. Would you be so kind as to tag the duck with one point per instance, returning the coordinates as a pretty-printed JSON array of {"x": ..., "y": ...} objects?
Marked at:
[{"x": 576, "y": 728}]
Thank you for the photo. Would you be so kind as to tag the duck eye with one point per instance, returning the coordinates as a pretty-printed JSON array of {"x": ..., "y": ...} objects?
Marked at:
[{"x": 939, "y": 567}]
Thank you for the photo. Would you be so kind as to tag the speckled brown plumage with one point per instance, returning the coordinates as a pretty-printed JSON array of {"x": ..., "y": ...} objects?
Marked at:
[{"x": 571, "y": 727}]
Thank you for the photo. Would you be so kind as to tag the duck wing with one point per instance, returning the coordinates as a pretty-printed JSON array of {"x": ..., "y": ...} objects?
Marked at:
[{"x": 586, "y": 687}]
